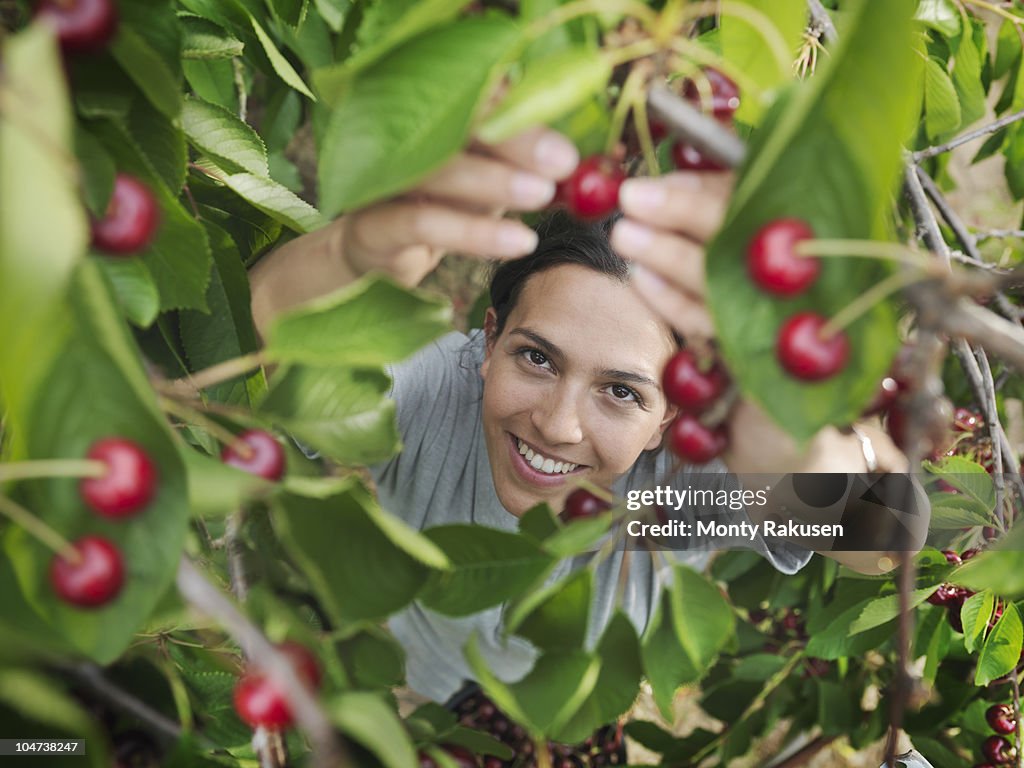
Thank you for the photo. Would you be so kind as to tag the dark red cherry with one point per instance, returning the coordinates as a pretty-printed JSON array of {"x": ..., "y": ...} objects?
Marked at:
[
  {"x": 998, "y": 750},
  {"x": 82, "y": 26},
  {"x": 725, "y": 96},
  {"x": 944, "y": 595},
  {"x": 685, "y": 384},
  {"x": 592, "y": 191},
  {"x": 95, "y": 579},
  {"x": 695, "y": 443},
  {"x": 581, "y": 503},
  {"x": 1001, "y": 719},
  {"x": 686, "y": 157},
  {"x": 952, "y": 557},
  {"x": 265, "y": 456},
  {"x": 127, "y": 486},
  {"x": 131, "y": 219},
  {"x": 773, "y": 263},
  {"x": 805, "y": 354},
  {"x": 259, "y": 701},
  {"x": 966, "y": 420}
]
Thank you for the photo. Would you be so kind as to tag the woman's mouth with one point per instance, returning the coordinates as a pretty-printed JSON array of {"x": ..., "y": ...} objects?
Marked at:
[{"x": 537, "y": 468}]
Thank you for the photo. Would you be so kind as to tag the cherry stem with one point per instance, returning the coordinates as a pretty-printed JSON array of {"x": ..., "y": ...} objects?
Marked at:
[
  {"x": 48, "y": 468},
  {"x": 866, "y": 301},
  {"x": 631, "y": 89},
  {"x": 688, "y": 51},
  {"x": 39, "y": 530},
  {"x": 221, "y": 372},
  {"x": 1012, "y": 18},
  {"x": 631, "y": 52},
  {"x": 219, "y": 433},
  {"x": 866, "y": 249},
  {"x": 643, "y": 132}
]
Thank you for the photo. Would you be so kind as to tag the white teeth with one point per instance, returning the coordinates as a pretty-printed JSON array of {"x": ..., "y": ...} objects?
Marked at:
[{"x": 548, "y": 466}]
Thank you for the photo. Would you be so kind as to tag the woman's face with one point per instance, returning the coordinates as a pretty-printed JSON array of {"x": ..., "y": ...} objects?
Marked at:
[{"x": 572, "y": 386}]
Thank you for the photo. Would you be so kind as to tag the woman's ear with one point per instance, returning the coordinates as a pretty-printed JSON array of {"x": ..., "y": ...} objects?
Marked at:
[
  {"x": 656, "y": 439},
  {"x": 490, "y": 337}
]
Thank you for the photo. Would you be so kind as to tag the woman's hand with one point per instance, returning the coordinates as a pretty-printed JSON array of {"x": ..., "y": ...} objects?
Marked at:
[
  {"x": 457, "y": 209},
  {"x": 667, "y": 222}
]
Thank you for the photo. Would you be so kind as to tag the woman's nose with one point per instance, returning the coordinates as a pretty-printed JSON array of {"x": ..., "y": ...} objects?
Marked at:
[{"x": 557, "y": 419}]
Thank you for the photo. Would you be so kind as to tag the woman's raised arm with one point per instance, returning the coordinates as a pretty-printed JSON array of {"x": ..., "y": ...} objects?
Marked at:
[{"x": 456, "y": 209}]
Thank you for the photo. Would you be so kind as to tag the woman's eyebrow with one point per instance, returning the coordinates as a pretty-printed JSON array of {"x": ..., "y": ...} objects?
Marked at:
[
  {"x": 546, "y": 346},
  {"x": 630, "y": 376}
]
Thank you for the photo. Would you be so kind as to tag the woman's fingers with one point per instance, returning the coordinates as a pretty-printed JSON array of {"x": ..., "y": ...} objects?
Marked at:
[
  {"x": 692, "y": 204},
  {"x": 376, "y": 233},
  {"x": 482, "y": 182},
  {"x": 541, "y": 151},
  {"x": 688, "y": 316},
  {"x": 676, "y": 259}
]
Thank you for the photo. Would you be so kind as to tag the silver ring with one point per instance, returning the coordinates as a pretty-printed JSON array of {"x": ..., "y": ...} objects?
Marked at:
[{"x": 866, "y": 448}]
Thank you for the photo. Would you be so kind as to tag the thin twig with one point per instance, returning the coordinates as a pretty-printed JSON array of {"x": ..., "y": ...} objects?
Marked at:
[
  {"x": 92, "y": 676},
  {"x": 991, "y": 410},
  {"x": 820, "y": 20},
  {"x": 328, "y": 751},
  {"x": 805, "y": 753},
  {"x": 987, "y": 234},
  {"x": 963, "y": 138}
]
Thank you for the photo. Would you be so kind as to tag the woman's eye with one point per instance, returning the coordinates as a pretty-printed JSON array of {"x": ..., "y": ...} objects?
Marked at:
[
  {"x": 536, "y": 357},
  {"x": 624, "y": 393}
]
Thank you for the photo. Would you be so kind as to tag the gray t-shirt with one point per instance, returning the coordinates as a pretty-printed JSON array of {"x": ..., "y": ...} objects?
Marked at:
[{"x": 443, "y": 476}]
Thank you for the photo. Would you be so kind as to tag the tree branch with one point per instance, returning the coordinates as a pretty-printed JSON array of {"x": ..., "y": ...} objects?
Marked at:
[
  {"x": 328, "y": 752},
  {"x": 963, "y": 138}
]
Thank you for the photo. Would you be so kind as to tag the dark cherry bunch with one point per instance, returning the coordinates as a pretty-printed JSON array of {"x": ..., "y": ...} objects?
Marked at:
[
  {"x": 952, "y": 597},
  {"x": 997, "y": 749},
  {"x": 694, "y": 385},
  {"x": 592, "y": 191},
  {"x": 783, "y": 628},
  {"x": 604, "y": 748},
  {"x": 95, "y": 575}
]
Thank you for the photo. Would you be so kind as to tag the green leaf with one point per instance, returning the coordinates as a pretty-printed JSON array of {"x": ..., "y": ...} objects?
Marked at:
[
  {"x": 488, "y": 567},
  {"x": 1001, "y": 651},
  {"x": 216, "y": 489},
  {"x": 97, "y": 388},
  {"x": 956, "y": 511},
  {"x": 969, "y": 478},
  {"x": 941, "y": 104},
  {"x": 342, "y": 412},
  {"x": 666, "y": 664},
  {"x": 829, "y": 154},
  {"x": 884, "y": 609},
  {"x": 1008, "y": 49},
  {"x": 362, "y": 563},
  {"x": 281, "y": 65},
  {"x": 148, "y": 69},
  {"x": 701, "y": 615},
  {"x": 539, "y": 523},
  {"x": 98, "y": 170},
  {"x": 1014, "y": 153},
  {"x": 43, "y": 227},
  {"x": 552, "y": 86},
  {"x": 578, "y": 536},
  {"x": 367, "y": 719},
  {"x": 558, "y": 619},
  {"x": 757, "y": 38},
  {"x": 134, "y": 288},
  {"x": 940, "y": 15},
  {"x": 759, "y": 667},
  {"x": 216, "y": 132},
  {"x": 202, "y": 39},
  {"x": 370, "y": 322},
  {"x": 1001, "y": 570},
  {"x": 967, "y": 80},
  {"x": 291, "y": 12},
  {"x": 407, "y": 114},
  {"x": 617, "y": 684},
  {"x": 975, "y": 614},
  {"x": 213, "y": 81},
  {"x": 265, "y": 194},
  {"x": 161, "y": 141},
  {"x": 179, "y": 258}
]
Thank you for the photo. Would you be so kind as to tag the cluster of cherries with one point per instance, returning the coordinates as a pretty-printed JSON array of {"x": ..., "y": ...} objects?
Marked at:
[
  {"x": 997, "y": 749},
  {"x": 592, "y": 191},
  {"x": 95, "y": 575},
  {"x": 132, "y": 217},
  {"x": 952, "y": 597},
  {"x": 786, "y": 627}
]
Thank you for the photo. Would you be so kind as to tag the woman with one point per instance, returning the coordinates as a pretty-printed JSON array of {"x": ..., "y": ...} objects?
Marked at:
[{"x": 562, "y": 385}]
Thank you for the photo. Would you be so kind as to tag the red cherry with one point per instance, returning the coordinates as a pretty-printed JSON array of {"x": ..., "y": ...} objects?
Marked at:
[
  {"x": 967, "y": 554},
  {"x": 581, "y": 503},
  {"x": 936, "y": 435},
  {"x": 693, "y": 442},
  {"x": 82, "y": 26},
  {"x": 687, "y": 386},
  {"x": 95, "y": 580},
  {"x": 805, "y": 354},
  {"x": 592, "y": 191},
  {"x": 686, "y": 157},
  {"x": 131, "y": 219},
  {"x": 952, "y": 557},
  {"x": 658, "y": 129},
  {"x": 944, "y": 595},
  {"x": 725, "y": 96},
  {"x": 887, "y": 393},
  {"x": 127, "y": 486},
  {"x": 265, "y": 457},
  {"x": 259, "y": 702},
  {"x": 998, "y": 750},
  {"x": 772, "y": 260},
  {"x": 1001, "y": 719},
  {"x": 966, "y": 420}
]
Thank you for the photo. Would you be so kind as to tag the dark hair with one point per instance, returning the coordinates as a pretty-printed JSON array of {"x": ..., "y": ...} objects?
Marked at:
[{"x": 562, "y": 239}]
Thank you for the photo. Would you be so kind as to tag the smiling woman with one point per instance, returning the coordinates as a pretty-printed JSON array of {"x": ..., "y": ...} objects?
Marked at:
[{"x": 561, "y": 386}]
